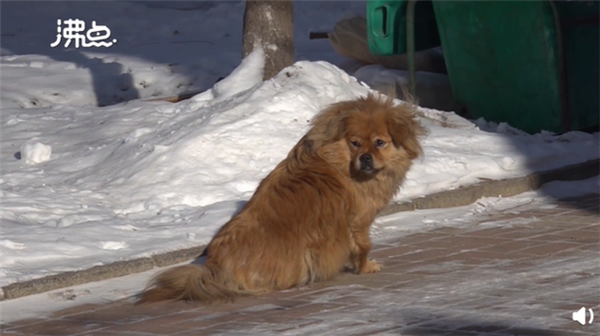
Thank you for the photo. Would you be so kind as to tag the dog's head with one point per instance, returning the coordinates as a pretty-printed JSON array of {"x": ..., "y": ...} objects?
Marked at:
[{"x": 376, "y": 133}]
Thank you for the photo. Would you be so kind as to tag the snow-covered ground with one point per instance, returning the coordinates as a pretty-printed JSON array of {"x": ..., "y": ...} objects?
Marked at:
[{"x": 84, "y": 185}]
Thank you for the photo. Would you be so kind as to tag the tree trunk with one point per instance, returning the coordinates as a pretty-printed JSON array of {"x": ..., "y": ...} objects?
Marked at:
[{"x": 269, "y": 24}]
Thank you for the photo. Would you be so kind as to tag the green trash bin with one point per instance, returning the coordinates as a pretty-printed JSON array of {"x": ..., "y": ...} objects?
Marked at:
[
  {"x": 507, "y": 62},
  {"x": 386, "y": 26},
  {"x": 506, "y": 59},
  {"x": 580, "y": 21}
]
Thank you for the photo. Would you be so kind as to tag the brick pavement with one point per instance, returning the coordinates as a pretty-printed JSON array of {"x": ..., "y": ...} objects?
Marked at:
[{"x": 492, "y": 280}]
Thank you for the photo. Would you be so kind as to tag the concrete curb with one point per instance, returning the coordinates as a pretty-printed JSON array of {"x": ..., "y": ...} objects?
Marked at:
[
  {"x": 98, "y": 273},
  {"x": 494, "y": 188},
  {"x": 445, "y": 199}
]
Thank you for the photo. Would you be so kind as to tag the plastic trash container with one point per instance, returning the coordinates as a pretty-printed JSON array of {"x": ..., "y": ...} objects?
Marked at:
[
  {"x": 386, "y": 27},
  {"x": 504, "y": 61}
]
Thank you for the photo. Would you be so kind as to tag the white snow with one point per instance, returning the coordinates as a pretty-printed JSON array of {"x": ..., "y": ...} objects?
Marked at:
[
  {"x": 35, "y": 152},
  {"x": 248, "y": 74},
  {"x": 128, "y": 180}
]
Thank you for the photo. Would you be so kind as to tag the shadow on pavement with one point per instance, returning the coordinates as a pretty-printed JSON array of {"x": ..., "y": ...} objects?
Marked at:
[
  {"x": 477, "y": 329},
  {"x": 446, "y": 325}
]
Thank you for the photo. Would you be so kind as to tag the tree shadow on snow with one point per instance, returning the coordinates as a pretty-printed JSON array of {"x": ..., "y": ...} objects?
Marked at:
[
  {"x": 112, "y": 82},
  {"x": 112, "y": 85}
]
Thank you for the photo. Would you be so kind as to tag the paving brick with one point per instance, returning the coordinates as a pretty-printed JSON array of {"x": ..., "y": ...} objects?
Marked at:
[
  {"x": 426, "y": 254},
  {"x": 583, "y": 236},
  {"x": 551, "y": 237},
  {"x": 178, "y": 322},
  {"x": 548, "y": 248},
  {"x": 490, "y": 232},
  {"x": 512, "y": 246},
  {"x": 570, "y": 219},
  {"x": 589, "y": 247},
  {"x": 457, "y": 244},
  {"x": 79, "y": 309},
  {"x": 389, "y": 252},
  {"x": 531, "y": 232},
  {"x": 422, "y": 237},
  {"x": 59, "y": 327}
]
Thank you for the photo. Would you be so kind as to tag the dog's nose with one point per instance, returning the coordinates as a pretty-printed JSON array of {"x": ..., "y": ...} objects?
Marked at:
[{"x": 366, "y": 161}]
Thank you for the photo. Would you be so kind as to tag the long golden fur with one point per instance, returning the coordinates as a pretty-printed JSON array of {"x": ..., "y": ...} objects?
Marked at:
[{"x": 310, "y": 217}]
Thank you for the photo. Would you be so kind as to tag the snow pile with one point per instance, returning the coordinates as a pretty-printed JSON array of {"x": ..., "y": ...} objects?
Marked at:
[
  {"x": 35, "y": 152},
  {"x": 244, "y": 77}
]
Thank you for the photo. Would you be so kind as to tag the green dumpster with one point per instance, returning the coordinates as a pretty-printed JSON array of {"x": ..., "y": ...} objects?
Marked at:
[
  {"x": 581, "y": 35},
  {"x": 386, "y": 24},
  {"x": 532, "y": 64}
]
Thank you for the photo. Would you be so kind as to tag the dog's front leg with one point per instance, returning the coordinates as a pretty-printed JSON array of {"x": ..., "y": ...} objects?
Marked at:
[{"x": 361, "y": 249}]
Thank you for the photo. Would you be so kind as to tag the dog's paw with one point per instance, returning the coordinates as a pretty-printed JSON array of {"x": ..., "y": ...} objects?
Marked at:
[{"x": 371, "y": 266}]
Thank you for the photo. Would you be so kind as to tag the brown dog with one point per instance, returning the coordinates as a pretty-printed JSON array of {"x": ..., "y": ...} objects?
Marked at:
[{"x": 311, "y": 215}]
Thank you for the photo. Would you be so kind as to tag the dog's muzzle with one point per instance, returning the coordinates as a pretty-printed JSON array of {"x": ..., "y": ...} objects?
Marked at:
[{"x": 366, "y": 163}]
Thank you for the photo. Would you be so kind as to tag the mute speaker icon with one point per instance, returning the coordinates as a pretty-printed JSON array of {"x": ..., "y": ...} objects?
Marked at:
[{"x": 579, "y": 316}]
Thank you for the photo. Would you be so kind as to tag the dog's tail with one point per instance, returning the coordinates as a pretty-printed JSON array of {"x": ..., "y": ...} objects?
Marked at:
[{"x": 206, "y": 283}]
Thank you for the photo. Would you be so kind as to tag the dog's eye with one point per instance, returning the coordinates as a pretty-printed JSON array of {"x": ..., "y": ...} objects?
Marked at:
[
  {"x": 355, "y": 143},
  {"x": 379, "y": 143}
]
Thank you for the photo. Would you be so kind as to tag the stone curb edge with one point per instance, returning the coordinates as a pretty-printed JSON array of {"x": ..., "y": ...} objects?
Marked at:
[
  {"x": 445, "y": 199},
  {"x": 494, "y": 188}
]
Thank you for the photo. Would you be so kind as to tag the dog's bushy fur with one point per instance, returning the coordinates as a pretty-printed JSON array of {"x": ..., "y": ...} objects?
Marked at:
[{"x": 311, "y": 215}]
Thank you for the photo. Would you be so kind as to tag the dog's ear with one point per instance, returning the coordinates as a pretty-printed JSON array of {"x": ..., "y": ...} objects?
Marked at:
[
  {"x": 330, "y": 124},
  {"x": 405, "y": 129}
]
